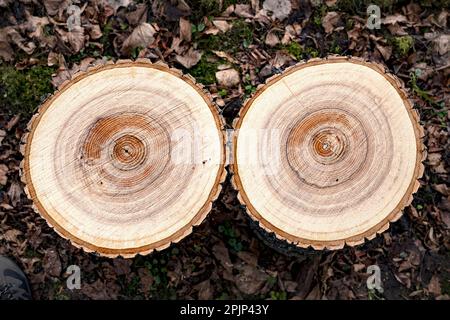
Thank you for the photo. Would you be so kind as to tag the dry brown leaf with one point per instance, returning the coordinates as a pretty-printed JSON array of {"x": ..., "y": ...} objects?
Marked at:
[
  {"x": 189, "y": 59},
  {"x": 228, "y": 78},
  {"x": 138, "y": 16},
  {"x": 226, "y": 56},
  {"x": 171, "y": 10},
  {"x": 434, "y": 286},
  {"x": 290, "y": 286},
  {"x": 3, "y": 174},
  {"x": 222, "y": 25},
  {"x": 290, "y": 33},
  {"x": 397, "y": 30},
  {"x": 6, "y": 52},
  {"x": 11, "y": 235},
  {"x": 5, "y": 3},
  {"x": 386, "y": 51},
  {"x": 64, "y": 74},
  {"x": 146, "y": 279},
  {"x": 142, "y": 36},
  {"x": 314, "y": 294},
  {"x": 441, "y": 188},
  {"x": 280, "y": 59},
  {"x": 56, "y": 6},
  {"x": 272, "y": 39},
  {"x": 228, "y": 11},
  {"x": 36, "y": 26},
  {"x": 221, "y": 253},
  {"x": 395, "y": 18},
  {"x": 243, "y": 11},
  {"x": 94, "y": 31},
  {"x": 52, "y": 263},
  {"x": 2, "y": 135},
  {"x": 248, "y": 257},
  {"x": 74, "y": 38},
  {"x": 434, "y": 159},
  {"x": 116, "y": 4},
  {"x": 441, "y": 44},
  {"x": 330, "y": 21},
  {"x": 445, "y": 211},
  {"x": 280, "y": 9},
  {"x": 14, "y": 193},
  {"x": 53, "y": 58},
  {"x": 19, "y": 41},
  {"x": 176, "y": 45},
  {"x": 12, "y": 123},
  {"x": 442, "y": 19},
  {"x": 357, "y": 267},
  {"x": 185, "y": 30},
  {"x": 205, "y": 290},
  {"x": 250, "y": 279},
  {"x": 212, "y": 30},
  {"x": 330, "y": 3}
]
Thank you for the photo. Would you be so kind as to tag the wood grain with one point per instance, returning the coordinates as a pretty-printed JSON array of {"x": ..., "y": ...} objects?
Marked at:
[
  {"x": 125, "y": 158},
  {"x": 328, "y": 153}
]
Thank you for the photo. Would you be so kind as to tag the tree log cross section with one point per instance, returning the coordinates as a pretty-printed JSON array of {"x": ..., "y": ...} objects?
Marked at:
[
  {"x": 335, "y": 155},
  {"x": 106, "y": 165}
]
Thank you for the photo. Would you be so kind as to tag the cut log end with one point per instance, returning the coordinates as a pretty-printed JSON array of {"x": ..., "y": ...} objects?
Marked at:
[
  {"x": 336, "y": 153},
  {"x": 111, "y": 161}
]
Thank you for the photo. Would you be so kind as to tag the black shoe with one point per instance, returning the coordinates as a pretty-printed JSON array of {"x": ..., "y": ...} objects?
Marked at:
[{"x": 13, "y": 282}]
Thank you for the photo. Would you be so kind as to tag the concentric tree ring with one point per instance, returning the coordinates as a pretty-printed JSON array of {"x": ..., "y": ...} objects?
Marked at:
[
  {"x": 328, "y": 153},
  {"x": 125, "y": 158}
]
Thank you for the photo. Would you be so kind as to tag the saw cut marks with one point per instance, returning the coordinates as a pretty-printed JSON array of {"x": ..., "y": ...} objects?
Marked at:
[
  {"x": 125, "y": 158},
  {"x": 328, "y": 153}
]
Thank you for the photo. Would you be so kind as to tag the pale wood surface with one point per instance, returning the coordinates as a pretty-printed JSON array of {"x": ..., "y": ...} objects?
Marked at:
[
  {"x": 113, "y": 163},
  {"x": 328, "y": 153}
]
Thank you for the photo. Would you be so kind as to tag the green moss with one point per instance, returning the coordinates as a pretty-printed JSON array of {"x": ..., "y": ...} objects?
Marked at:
[
  {"x": 403, "y": 45},
  {"x": 295, "y": 49},
  {"x": 205, "y": 70},
  {"x": 241, "y": 34},
  {"x": 311, "y": 52},
  {"x": 223, "y": 296},
  {"x": 223, "y": 93},
  {"x": 418, "y": 90},
  {"x": 374, "y": 295},
  {"x": 232, "y": 236},
  {"x": 335, "y": 48},
  {"x": 205, "y": 8},
  {"x": 23, "y": 91},
  {"x": 131, "y": 288},
  {"x": 318, "y": 15},
  {"x": 278, "y": 295},
  {"x": 58, "y": 288},
  {"x": 300, "y": 53}
]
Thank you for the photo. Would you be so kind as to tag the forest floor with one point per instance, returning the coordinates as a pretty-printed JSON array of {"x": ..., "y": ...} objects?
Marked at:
[{"x": 42, "y": 44}]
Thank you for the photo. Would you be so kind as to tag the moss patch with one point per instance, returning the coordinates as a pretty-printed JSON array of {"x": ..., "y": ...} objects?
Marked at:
[
  {"x": 23, "y": 91},
  {"x": 205, "y": 70},
  {"x": 403, "y": 45},
  {"x": 241, "y": 34},
  {"x": 205, "y": 8},
  {"x": 300, "y": 53},
  {"x": 294, "y": 49}
]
